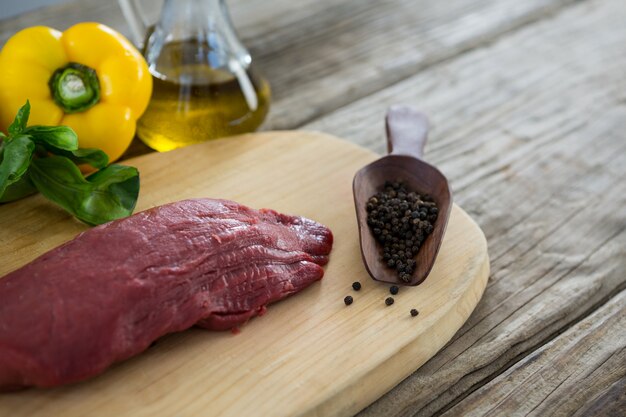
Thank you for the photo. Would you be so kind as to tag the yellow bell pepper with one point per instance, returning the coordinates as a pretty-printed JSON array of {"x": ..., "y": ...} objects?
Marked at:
[{"x": 89, "y": 78}]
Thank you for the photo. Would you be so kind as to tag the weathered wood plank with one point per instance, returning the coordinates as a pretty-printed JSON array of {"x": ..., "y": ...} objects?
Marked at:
[
  {"x": 346, "y": 50},
  {"x": 583, "y": 367},
  {"x": 63, "y": 15},
  {"x": 612, "y": 402},
  {"x": 534, "y": 148},
  {"x": 255, "y": 17}
]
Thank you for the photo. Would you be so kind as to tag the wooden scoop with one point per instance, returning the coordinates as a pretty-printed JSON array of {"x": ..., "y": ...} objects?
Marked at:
[{"x": 407, "y": 131}]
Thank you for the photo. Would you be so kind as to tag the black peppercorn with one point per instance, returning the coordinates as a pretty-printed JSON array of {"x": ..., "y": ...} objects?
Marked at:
[
  {"x": 356, "y": 285},
  {"x": 414, "y": 312},
  {"x": 348, "y": 300},
  {"x": 400, "y": 219},
  {"x": 393, "y": 289},
  {"x": 389, "y": 301}
]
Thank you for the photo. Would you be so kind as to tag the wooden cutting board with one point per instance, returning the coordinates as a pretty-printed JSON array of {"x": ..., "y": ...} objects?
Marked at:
[{"x": 310, "y": 354}]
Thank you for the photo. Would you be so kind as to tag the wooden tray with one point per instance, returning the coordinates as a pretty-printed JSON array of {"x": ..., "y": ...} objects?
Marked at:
[{"x": 310, "y": 354}]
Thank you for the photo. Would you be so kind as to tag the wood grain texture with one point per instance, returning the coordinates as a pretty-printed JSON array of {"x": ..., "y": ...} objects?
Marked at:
[
  {"x": 570, "y": 368},
  {"x": 310, "y": 354},
  {"x": 350, "y": 49},
  {"x": 535, "y": 148}
]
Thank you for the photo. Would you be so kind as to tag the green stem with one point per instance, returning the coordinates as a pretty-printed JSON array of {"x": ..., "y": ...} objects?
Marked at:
[{"x": 75, "y": 87}]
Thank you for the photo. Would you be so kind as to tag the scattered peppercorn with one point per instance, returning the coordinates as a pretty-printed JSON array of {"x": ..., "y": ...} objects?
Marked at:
[
  {"x": 414, "y": 312},
  {"x": 400, "y": 219},
  {"x": 394, "y": 289},
  {"x": 348, "y": 300},
  {"x": 356, "y": 285},
  {"x": 389, "y": 301}
]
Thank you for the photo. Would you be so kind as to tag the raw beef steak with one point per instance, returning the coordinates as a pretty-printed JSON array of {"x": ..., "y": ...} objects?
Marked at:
[{"x": 110, "y": 292}]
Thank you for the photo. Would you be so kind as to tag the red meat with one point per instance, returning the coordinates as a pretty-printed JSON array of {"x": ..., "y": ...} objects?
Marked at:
[{"x": 110, "y": 292}]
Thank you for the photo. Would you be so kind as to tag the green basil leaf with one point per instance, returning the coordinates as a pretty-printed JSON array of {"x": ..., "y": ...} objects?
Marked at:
[
  {"x": 62, "y": 141},
  {"x": 20, "y": 189},
  {"x": 20, "y": 121},
  {"x": 106, "y": 195},
  {"x": 53, "y": 137},
  {"x": 16, "y": 157},
  {"x": 122, "y": 180},
  {"x": 92, "y": 156}
]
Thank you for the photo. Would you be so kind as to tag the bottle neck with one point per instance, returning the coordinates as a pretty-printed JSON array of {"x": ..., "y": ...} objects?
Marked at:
[
  {"x": 205, "y": 23},
  {"x": 189, "y": 16}
]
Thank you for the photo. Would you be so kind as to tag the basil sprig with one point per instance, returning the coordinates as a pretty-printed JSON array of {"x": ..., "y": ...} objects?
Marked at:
[{"x": 45, "y": 158}]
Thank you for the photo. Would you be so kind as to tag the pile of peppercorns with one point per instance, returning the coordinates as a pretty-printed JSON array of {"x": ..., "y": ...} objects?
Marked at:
[{"x": 400, "y": 220}]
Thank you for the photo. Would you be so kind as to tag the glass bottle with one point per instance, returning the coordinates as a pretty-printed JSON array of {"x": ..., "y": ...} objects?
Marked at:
[{"x": 204, "y": 85}]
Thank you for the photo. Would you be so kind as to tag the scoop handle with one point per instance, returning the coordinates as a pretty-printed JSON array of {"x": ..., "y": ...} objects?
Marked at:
[{"x": 407, "y": 131}]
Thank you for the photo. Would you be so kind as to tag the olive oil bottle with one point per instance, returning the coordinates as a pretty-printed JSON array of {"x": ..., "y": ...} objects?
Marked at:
[
  {"x": 192, "y": 103},
  {"x": 204, "y": 86}
]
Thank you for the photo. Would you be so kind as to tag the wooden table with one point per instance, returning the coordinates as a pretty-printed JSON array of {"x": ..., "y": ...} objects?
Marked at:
[{"x": 528, "y": 104}]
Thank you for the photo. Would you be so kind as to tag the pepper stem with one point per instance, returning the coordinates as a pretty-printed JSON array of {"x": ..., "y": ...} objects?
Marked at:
[{"x": 75, "y": 87}]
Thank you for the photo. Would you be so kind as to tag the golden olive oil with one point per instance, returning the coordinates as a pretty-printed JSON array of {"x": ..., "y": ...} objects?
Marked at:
[{"x": 193, "y": 103}]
